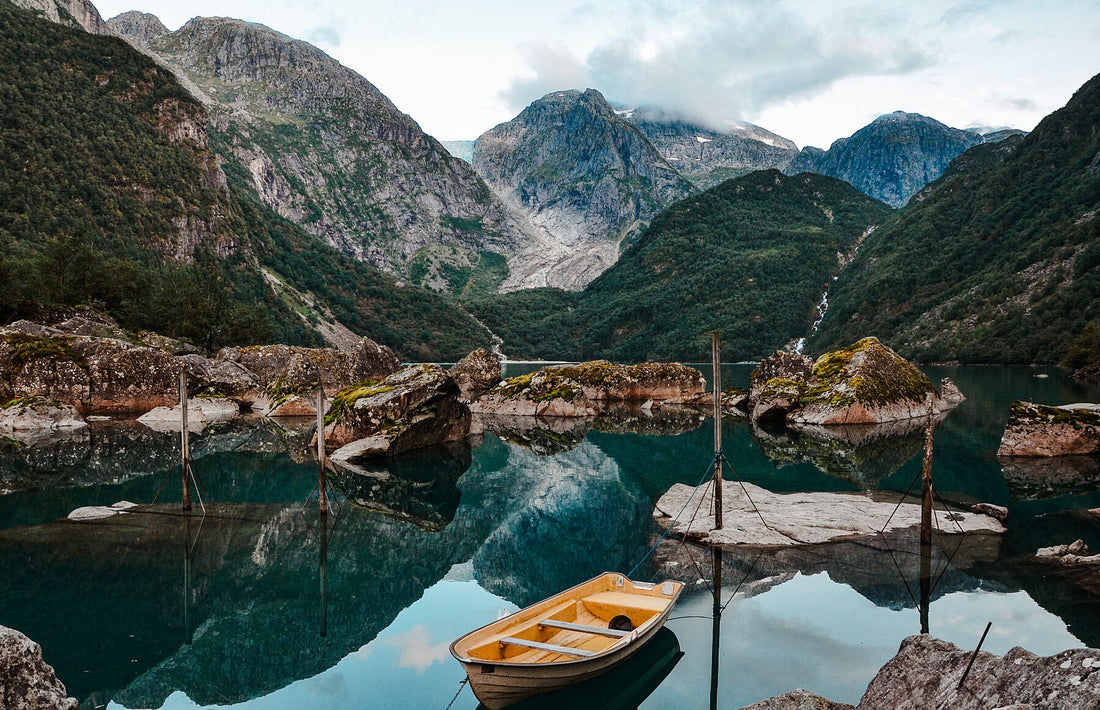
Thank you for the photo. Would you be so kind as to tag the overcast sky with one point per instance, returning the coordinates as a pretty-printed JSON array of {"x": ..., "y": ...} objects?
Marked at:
[{"x": 812, "y": 71}]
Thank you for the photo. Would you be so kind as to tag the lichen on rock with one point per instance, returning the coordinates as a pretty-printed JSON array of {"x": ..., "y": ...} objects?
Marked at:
[{"x": 1040, "y": 430}]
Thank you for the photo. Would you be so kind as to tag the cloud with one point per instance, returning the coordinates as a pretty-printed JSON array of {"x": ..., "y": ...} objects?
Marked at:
[
  {"x": 721, "y": 60},
  {"x": 330, "y": 35},
  {"x": 1018, "y": 103}
]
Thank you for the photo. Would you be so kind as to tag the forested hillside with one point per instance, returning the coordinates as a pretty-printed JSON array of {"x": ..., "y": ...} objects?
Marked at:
[
  {"x": 749, "y": 257},
  {"x": 997, "y": 262},
  {"x": 110, "y": 198}
]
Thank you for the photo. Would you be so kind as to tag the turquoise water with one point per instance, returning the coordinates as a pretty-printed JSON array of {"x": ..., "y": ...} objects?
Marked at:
[{"x": 261, "y": 606}]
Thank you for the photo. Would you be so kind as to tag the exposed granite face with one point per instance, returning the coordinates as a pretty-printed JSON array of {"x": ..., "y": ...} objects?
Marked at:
[
  {"x": 412, "y": 409},
  {"x": 926, "y": 673},
  {"x": 324, "y": 148},
  {"x": 1039, "y": 430},
  {"x": 586, "y": 389},
  {"x": 864, "y": 383},
  {"x": 581, "y": 172},
  {"x": 476, "y": 374},
  {"x": 26, "y": 681},
  {"x": 66, "y": 12},
  {"x": 37, "y": 415}
]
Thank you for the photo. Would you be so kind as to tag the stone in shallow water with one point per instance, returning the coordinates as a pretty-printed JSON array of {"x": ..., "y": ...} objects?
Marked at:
[
  {"x": 26, "y": 681},
  {"x": 798, "y": 518}
]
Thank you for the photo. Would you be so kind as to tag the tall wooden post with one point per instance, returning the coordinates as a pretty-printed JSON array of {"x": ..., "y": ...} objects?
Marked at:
[
  {"x": 716, "y": 626},
  {"x": 324, "y": 577},
  {"x": 187, "y": 635},
  {"x": 185, "y": 444},
  {"x": 322, "y": 475},
  {"x": 926, "y": 527},
  {"x": 716, "y": 362}
]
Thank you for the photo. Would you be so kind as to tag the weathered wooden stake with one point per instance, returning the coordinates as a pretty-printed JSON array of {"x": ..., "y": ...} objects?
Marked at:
[
  {"x": 926, "y": 526},
  {"x": 185, "y": 445},
  {"x": 716, "y": 362},
  {"x": 187, "y": 637},
  {"x": 324, "y": 577},
  {"x": 716, "y": 626},
  {"x": 322, "y": 475}
]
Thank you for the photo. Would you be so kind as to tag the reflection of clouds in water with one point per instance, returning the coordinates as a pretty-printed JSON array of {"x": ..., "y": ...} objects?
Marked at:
[
  {"x": 416, "y": 649},
  {"x": 332, "y": 685},
  {"x": 817, "y": 634}
]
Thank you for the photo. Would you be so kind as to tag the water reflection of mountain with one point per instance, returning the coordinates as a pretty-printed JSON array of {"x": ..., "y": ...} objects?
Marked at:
[
  {"x": 255, "y": 596},
  {"x": 865, "y": 454}
]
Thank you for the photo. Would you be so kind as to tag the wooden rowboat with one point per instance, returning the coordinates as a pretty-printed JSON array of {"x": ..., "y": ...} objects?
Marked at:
[{"x": 567, "y": 639}]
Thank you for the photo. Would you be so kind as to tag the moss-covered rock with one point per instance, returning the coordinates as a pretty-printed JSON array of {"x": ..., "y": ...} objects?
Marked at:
[
  {"x": 1039, "y": 430},
  {"x": 584, "y": 390},
  {"x": 864, "y": 383},
  {"x": 414, "y": 408}
]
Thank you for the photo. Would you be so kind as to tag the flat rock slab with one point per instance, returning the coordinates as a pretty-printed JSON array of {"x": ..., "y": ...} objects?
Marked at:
[
  {"x": 797, "y": 518},
  {"x": 201, "y": 411}
]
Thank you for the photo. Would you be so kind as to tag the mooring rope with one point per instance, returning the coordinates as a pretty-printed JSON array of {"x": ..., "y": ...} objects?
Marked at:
[
  {"x": 671, "y": 525},
  {"x": 461, "y": 684}
]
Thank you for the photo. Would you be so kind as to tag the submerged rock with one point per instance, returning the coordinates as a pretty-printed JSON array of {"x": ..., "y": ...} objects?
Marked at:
[
  {"x": 26, "y": 681},
  {"x": 926, "y": 673},
  {"x": 585, "y": 390},
  {"x": 414, "y": 408},
  {"x": 1039, "y": 430},
  {"x": 201, "y": 411},
  {"x": 755, "y": 516},
  {"x": 476, "y": 374},
  {"x": 864, "y": 383}
]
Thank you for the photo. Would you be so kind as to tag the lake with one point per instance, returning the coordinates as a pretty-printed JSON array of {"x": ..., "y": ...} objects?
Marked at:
[{"x": 260, "y": 605}]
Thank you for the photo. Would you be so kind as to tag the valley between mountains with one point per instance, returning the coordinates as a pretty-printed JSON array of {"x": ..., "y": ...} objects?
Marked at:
[{"x": 227, "y": 184}]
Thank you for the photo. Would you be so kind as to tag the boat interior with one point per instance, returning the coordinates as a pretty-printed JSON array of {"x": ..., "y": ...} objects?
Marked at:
[{"x": 578, "y": 623}]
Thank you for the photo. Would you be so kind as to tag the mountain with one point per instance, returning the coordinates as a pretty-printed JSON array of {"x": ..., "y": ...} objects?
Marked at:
[
  {"x": 706, "y": 156},
  {"x": 73, "y": 13},
  {"x": 325, "y": 149},
  {"x": 891, "y": 158},
  {"x": 584, "y": 174},
  {"x": 111, "y": 197},
  {"x": 998, "y": 262},
  {"x": 749, "y": 257}
]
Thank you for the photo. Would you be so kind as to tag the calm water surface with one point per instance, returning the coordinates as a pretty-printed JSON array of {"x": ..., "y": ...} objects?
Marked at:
[{"x": 259, "y": 605}]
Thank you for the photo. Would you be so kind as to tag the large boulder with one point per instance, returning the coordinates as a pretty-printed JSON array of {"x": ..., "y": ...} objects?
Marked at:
[
  {"x": 587, "y": 389},
  {"x": 476, "y": 374},
  {"x": 926, "y": 673},
  {"x": 798, "y": 700},
  {"x": 26, "y": 681},
  {"x": 412, "y": 409},
  {"x": 864, "y": 383},
  {"x": 38, "y": 415},
  {"x": 287, "y": 369},
  {"x": 1039, "y": 430},
  {"x": 95, "y": 375}
]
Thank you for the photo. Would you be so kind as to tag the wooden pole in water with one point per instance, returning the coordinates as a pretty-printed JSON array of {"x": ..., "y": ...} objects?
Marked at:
[
  {"x": 926, "y": 527},
  {"x": 185, "y": 444},
  {"x": 716, "y": 626},
  {"x": 716, "y": 362},
  {"x": 324, "y": 577},
  {"x": 322, "y": 476}
]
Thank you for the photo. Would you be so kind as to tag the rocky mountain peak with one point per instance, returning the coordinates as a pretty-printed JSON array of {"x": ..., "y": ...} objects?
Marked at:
[
  {"x": 139, "y": 28},
  {"x": 583, "y": 173},
  {"x": 892, "y": 157}
]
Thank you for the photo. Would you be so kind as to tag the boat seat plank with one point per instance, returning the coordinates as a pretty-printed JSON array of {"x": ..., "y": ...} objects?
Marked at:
[
  {"x": 602, "y": 631},
  {"x": 552, "y": 647}
]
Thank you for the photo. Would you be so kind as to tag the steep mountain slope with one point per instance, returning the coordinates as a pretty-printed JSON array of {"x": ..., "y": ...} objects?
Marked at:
[
  {"x": 587, "y": 176},
  {"x": 110, "y": 197},
  {"x": 74, "y": 13},
  {"x": 999, "y": 260},
  {"x": 706, "y": 156},
  {"x": 326, "y": 150},
  {"x": 749, "y": 257},
  {"x": 891, "y": 158}
]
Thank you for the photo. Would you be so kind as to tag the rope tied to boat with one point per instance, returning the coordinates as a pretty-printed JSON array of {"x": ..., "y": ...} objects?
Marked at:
[{"x": 461, "y": 684}]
